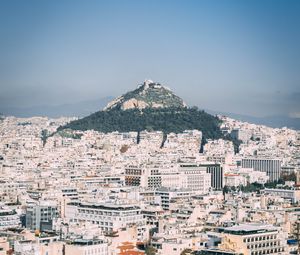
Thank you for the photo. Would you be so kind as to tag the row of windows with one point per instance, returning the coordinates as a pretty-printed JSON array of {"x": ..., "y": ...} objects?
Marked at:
[
  {"x": 263, "y": 245},
  {"x": 134, "y": 172},
  {"x": 259, "y": 238},
  {"x": 103, "y": 250},
  {"x": 271, "y": 251},
  {"x": 127, "y": 218},
  {"x": 128, "y": 213}
]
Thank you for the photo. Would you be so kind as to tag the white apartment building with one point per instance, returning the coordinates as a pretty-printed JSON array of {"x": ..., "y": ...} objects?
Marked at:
[
  {"x": 234, "y": 180},
  {"x": 244, "y": 176},
  {"x": 155, "y": 137},
  {"x": 187, "y": 176},
  {"x": 195, "y": 177},
  {"x": 190, "y": 139},
  {"x": 271, "y": 166},
  {"x": 166, "y": 195},
  {"x": 86, "y": 247},
  {"x": 8, "y": 191},
  {"x": 8, "y": 218},
  {"x": 290, "y": 194},
  {"x": 109, "y": 217},
  {"x": 254, "y": 176},
  {"x": 240, "y": 134}
]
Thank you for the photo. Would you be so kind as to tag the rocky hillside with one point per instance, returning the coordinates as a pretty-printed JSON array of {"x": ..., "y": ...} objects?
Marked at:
[
  {"x": 151, "y": 107},
  {"x": 147, "y": 95}
]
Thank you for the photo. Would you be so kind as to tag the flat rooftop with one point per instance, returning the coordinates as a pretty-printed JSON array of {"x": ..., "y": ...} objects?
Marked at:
[
  {"x": 248, "y": 229},
  {"x": 113, "y": 207},
  {"x": 86, "y": 242}
]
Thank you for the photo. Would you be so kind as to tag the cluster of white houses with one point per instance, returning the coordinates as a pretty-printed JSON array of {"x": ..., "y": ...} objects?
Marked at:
[{"x": 91, "y": 193}]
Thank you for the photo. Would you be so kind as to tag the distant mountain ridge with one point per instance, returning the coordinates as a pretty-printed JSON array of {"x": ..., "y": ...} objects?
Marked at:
[
  {"x": 137, "y": 99},
  {"x": 274, "y": 121}
]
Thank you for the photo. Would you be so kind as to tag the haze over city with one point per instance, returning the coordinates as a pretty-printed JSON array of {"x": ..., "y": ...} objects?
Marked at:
[
  {"x": 149, "y": 127},
  {"x": 234, "y": 56}
]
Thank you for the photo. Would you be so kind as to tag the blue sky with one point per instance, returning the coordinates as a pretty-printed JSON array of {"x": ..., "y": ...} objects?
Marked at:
[{"x": 231, "y": 56}]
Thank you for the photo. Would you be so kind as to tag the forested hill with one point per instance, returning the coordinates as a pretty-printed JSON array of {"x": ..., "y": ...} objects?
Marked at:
[
  {"x": 153, "y": 119},
  {"x": 152, "y": 107}
]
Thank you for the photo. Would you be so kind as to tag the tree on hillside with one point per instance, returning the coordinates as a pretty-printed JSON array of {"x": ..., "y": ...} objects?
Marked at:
[
  {"x": 150, "y": 250},
  {"x": 186, "y": 252}
]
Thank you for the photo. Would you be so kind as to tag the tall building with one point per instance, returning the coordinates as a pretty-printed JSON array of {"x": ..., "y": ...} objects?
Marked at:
[
  {"x": 40, "y": 216},
  {"x": 271, "y": 166},
  {"x": 239, "y": 134},
  {"x": 297, "y": 184},
  {"x": 217, "y": 175}
]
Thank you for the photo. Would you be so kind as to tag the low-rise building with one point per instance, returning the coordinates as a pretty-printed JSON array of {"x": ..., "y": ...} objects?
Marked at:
[
  {"x": 254, "y": 239},
  {"x": 110, "y": 217}
]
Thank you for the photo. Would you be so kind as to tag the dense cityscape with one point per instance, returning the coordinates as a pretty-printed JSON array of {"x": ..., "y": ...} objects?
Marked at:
[
  {"x": 147, "y": 192},
  {"x": 96, "y": 158}
]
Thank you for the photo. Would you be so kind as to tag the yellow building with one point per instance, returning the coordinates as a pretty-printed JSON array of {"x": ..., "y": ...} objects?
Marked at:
[{"x": 254, "y": 239}]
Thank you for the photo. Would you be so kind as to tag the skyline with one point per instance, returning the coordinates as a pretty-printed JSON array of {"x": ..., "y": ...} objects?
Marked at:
[
  {"x": 239, "y": 57},
  {"x": 149, "y": 127}
]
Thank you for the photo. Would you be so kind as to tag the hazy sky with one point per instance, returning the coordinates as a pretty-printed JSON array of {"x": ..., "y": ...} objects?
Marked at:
[{"x": 234, "y": 56}]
